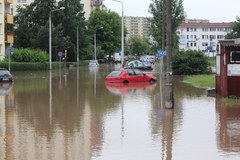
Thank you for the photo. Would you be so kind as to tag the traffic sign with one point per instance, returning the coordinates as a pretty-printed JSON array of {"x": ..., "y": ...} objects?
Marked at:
[
  {"x": 9, "y": 51},
  {"x": 161, "y": 53},
  {"x": 60, "y": 54}
]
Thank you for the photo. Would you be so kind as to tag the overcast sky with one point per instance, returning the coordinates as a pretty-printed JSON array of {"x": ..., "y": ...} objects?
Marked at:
[{"x": 213, "y": 10}]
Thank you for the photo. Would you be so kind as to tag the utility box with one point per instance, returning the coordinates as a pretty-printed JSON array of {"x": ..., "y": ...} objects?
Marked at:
[{"x": 228, "y": 68}]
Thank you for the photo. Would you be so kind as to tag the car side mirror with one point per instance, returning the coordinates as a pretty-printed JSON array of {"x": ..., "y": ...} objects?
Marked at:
[{"x": 144, "y": 74}]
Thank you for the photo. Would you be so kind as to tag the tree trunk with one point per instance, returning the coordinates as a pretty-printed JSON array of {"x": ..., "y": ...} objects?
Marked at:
[{"x": 169, "y": 100}]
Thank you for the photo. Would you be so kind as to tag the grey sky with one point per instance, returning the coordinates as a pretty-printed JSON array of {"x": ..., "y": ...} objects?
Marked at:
[{"x": 213, "y": 10}]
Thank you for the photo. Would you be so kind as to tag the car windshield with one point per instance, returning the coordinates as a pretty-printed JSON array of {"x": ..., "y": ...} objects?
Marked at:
[
  {"x": 115, "y": 73},
  {"x": 3, "y": 72}
]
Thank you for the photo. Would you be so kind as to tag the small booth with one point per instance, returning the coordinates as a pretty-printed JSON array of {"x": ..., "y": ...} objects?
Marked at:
[{"x": 228, "y": 68}]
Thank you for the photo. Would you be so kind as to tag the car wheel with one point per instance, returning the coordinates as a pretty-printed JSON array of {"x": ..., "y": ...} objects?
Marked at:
[
  {"x": 125, "y": 82},
  {"x": 151, "y": 81}
]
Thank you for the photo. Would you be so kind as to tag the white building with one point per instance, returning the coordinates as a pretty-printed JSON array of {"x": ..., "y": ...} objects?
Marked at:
[
  {"x": 202, "y": 35},
  {"x": 6, "y": 26},
  {"x": 137, "y": 26}
]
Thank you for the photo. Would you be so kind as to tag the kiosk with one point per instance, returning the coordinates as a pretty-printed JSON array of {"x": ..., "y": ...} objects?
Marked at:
[{"x": 228, "y": 68}]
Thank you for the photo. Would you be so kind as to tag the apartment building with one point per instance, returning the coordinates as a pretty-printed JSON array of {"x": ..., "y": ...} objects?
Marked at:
[
  {"x": 202, "y": 34},
  {"x": 137, "y": 26},
  {"x": 6, "y": 26}
]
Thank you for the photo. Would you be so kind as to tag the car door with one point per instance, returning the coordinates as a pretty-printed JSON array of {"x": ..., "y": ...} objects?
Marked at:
[
  {"x": 131, "y": 77},
  {"x": 140, "y": 76}
]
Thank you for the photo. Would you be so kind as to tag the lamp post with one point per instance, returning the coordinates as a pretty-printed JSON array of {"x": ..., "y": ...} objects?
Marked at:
[
  {"x": 77, "y": 41},
  {"x": 95, "y": 43},
  {"x": 122, "y": 30},
  {"x": 50, "y": 35}
]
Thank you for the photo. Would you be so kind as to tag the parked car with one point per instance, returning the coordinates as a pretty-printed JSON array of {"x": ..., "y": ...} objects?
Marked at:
[
  {"x": 128, "y": 76},
  {"x": 136, "y": 64},
  {"x": 93, "y": 63},
  {"x": 5, "y": 75}
]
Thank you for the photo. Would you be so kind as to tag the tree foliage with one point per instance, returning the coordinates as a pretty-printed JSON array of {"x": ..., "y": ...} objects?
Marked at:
[
  {"x": 33, "y": 26},
  {"x": 139, "y": 46},
  {"x": 190, "y": 62},
  {"x": 235, "y": 30},
  {"x": 107, "y": 25},
  {"x": 158, "y": 23}
]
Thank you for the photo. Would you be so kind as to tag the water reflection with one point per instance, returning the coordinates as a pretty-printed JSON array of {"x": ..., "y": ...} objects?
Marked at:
[
  {"x": 72, "y": 114},
  {"x": 131, "y": 88},
  {"x": 228, "y": 128}
]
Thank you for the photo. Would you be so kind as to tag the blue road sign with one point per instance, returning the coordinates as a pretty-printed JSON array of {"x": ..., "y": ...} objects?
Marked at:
[
  {"x": 60, "y": 54},
  {"x": 161, "y": 53},
  {"x": 120, "y": 53}
]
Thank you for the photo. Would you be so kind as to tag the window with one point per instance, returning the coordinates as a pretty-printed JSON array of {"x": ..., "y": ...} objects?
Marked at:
[
  {"x": 138, "y": 73},
  {"x": 187, "y": 29},
  {"x": 130, "y": 73},
  {"x": 205, "y": 29},
  {"x": 204, "y": 36},
  {"x": 220, "y": 36},
  {"x": 212, "y": 29},
  {"x": 235, "y": 56},
  {"x": 204, "y": 43},
  {"x": 212, "y": 37}
]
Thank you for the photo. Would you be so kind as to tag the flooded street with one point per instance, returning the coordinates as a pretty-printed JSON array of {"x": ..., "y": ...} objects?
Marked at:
[{"x": 70, "y": 114}]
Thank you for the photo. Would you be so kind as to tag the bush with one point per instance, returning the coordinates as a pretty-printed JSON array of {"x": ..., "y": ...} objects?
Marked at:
[
  {"x": 29, "y": 55},
  {"x": 190, "y": 63}
]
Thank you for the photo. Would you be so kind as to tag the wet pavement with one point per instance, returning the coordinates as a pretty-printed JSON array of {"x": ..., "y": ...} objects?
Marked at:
[{"x": 73, "y": 114}]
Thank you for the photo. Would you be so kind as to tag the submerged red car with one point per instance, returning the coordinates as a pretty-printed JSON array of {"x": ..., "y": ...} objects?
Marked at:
[{"x": 129, "y": 76}]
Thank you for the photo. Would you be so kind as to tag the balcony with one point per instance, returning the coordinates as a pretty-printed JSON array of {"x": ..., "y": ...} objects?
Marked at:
[
  {"x": 9, "y": 18},
  {"x": 9, "y": 1},
  {"x": 9, "y": 38}
]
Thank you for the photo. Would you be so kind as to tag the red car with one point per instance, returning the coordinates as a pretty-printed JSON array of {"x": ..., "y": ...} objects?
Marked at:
[{"x": 128, "y": 76}]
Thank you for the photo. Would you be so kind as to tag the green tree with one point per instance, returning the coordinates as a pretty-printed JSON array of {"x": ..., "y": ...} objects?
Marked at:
[
  {"x": 158, "y": 23},
  {"x": 190, "y": 63},
  {"x": 107, "y": 25},
  {"x": 32, "y": 23},
  {"x": 235, "y": 30},
  {"x": 139, "y": 46}
]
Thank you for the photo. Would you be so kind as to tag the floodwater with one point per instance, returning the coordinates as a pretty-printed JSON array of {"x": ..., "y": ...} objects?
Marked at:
[{"x": 70, "y": 114}]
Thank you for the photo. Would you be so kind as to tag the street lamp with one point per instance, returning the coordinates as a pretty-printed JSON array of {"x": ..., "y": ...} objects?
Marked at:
[
  {"x": 122, "y": 41},
  {"x": 95, "y": 43},
  {"x": 50, "y": 35},
  {"x": 77, "y": 41}
]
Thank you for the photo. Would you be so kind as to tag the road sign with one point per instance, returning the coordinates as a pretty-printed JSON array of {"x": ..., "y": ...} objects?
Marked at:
[
  {"x": 60, "y": 54},
  {"x": 161, "y": 53},
  {"x": 120, "y": 53},
  {"x": 9, "y": 51}
]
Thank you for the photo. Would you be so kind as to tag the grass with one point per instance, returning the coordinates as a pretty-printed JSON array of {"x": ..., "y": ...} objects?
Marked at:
[{"x": 203, "y": 81}]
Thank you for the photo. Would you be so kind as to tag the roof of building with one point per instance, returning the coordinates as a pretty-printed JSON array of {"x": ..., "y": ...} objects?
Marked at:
[
  {"x": 203, "y": 24},
  {"x": 230, "y": 42}
]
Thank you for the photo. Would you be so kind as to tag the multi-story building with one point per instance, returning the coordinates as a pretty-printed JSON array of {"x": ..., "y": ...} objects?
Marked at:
[
  {"x": 6, "y": 26},
  {"x": 137, "y": 26},
  {"x": 202, "y": 34}
]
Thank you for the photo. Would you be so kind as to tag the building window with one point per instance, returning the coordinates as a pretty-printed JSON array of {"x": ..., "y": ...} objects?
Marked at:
[
  {"x": 212, "y": 29},
  {"x": 212, "y": 37},
  {"x": 220, "y": 36},
  {"x": 204, "y": 43},
  {"x": 187, "y": 29},
  {"x": 204, "y": 36},
  {"x": 187, "y": 36},
  {"x": 205, "y": 29}
]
